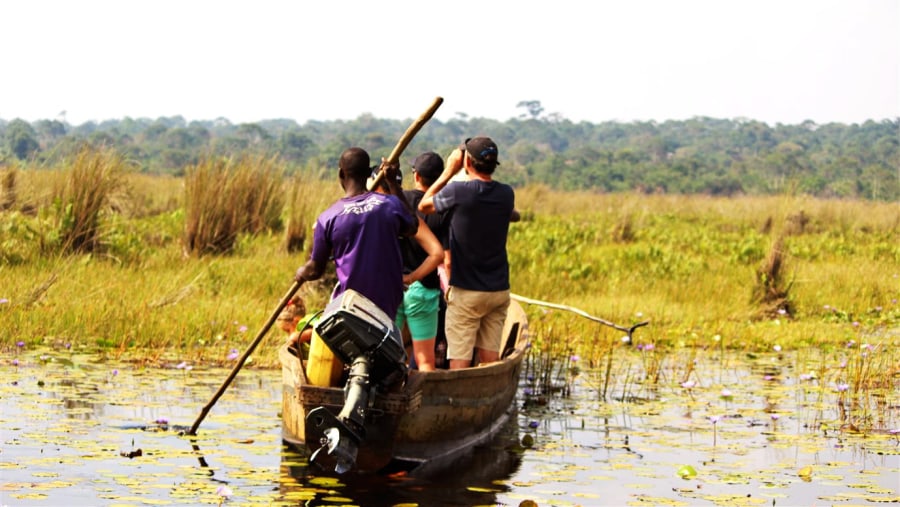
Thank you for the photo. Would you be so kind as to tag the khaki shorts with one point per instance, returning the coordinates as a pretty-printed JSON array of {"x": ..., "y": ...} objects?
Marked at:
[{"x": 474, "y": 319}]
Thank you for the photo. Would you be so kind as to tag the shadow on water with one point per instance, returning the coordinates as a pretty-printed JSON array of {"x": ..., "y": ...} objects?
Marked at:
[{"x": 476, "y": 478}]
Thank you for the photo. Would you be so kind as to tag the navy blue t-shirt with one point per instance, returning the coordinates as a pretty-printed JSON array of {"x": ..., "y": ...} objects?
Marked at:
[
  {"x": 413, "y": 254},
  {"x": 478, "y": 231}
]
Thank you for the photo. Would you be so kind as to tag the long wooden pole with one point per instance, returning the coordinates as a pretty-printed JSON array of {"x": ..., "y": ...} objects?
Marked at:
[
  {"x": 394, "y": 157},
  {"x": 237, "y": 367},
  {"x": 582, "y": 313},
  {"x": 407, "y": 137}
]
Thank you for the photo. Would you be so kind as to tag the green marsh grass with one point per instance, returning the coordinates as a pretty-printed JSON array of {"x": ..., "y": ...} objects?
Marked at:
[
  {"x": 687, "y": 264},
  {"x": 693, "y": 261}
]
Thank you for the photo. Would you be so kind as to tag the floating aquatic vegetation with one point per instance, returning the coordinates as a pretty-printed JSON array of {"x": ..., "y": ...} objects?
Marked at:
[
  {"x": 686, "y": 472},
  {"x": 76, "y": 425}
]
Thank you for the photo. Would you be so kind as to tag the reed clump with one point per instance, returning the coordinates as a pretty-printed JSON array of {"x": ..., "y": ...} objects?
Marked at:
[
  {"x": 8, "y": 195},
  {"x": 772, "y": 289},
  {"x": 91, "y": 188},
  {"x": 225, "y": 197}
]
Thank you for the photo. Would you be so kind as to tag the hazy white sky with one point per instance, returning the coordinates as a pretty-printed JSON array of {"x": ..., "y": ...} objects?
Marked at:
[{"x": 778, "y": 61}]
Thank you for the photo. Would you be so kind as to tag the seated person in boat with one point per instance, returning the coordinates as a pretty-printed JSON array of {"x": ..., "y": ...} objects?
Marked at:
[{"x": 294, "y": 321}]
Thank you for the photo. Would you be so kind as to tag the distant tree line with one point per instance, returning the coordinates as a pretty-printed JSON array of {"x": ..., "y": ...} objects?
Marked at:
[{"x": 697, "y": 156}]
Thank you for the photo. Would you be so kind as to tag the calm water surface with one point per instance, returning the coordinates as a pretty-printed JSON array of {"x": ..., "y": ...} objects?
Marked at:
[{"x": 79, "y": 432}]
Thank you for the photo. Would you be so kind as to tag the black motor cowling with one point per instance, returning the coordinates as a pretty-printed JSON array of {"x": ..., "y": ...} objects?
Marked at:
[{"x": 364, "y": 337}]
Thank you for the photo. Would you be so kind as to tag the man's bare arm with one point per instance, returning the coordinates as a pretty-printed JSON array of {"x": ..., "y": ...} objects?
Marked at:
[
  {"x": 310, "y": 271},
  {"x": 454, "y": 165},
  {"x": 429, "y": 242}
]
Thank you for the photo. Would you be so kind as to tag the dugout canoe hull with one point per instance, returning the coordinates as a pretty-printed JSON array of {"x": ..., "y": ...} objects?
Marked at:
[{"x": 432, "y": 418}]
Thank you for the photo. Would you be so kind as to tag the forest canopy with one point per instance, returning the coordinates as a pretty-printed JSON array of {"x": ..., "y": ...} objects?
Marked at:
[{"x": 696, "y": 156}]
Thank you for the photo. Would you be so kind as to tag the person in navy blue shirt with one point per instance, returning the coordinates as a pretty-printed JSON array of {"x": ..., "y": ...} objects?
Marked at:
[{"x": 482, "y": 209}]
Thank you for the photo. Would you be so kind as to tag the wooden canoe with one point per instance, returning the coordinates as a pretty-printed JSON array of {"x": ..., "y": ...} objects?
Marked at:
[{"x": 433, "y": 417}]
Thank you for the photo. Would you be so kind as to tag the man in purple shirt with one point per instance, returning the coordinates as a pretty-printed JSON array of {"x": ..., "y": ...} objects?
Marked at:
[{"x": 360, "y": 233}]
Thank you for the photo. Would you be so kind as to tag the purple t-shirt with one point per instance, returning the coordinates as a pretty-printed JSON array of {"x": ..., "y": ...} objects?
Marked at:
[{"x": 361, "y": 233}]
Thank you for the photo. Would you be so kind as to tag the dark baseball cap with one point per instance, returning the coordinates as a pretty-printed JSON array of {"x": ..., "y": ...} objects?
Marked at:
[
  {"x": 429, "y": 165},
  {"x": 482, "y": 149}
]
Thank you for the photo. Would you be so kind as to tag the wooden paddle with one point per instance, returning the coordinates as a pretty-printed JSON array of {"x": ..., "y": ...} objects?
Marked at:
[{"x": 237, "y": 367}]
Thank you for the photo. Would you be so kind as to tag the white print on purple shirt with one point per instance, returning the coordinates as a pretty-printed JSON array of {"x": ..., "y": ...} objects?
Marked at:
[{"x": 358, "y": 208}]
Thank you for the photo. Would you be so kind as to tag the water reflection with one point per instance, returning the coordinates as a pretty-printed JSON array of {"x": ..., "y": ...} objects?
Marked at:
[
  {"x": 472, "y": 479},
  {"x": 64, "y": 429}
]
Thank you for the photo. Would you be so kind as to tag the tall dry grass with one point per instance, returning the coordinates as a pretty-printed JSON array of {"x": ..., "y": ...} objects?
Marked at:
[
  {"x": 152, "y": 195},
  {"x": 228, "y": 196},
  {"x": 307, "y": 198},
  {"x": 90, "y": 189},
  {"x": 8, "y": 194}
]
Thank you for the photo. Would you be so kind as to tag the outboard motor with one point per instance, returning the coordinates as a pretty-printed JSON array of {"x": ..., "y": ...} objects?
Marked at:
[{"x": 363, "y": 336}]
